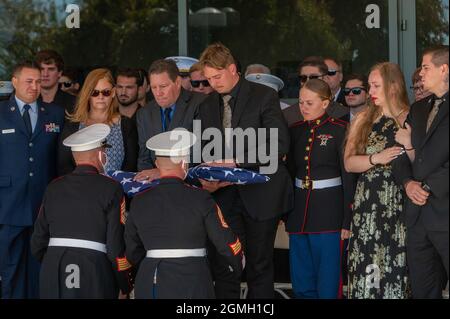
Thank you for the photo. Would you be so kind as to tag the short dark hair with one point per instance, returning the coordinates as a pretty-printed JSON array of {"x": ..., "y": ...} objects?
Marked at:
[
  {"x": 439, "y": 54},
  {"x": 360, "y": 77},
  {"x": 339, "y": 63},
  {"x": 72, "y": 74},
  {"x": 144, "y": 75},
  {"x": 50, "y": 57},
  {"x": 162, "y": 65},
  {"x": 25, "y": 65},
  {"x": 131, "y": 73},
  {"x": 315, "y": 61}
]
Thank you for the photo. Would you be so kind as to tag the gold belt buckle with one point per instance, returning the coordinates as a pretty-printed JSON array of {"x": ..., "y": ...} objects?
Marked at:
[{"x": 307, "y": 184}]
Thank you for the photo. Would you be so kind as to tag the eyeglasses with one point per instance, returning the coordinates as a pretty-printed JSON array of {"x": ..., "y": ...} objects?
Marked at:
[
  {"x": 196, "y": 84},
  {"x": 416, "y": 88},
  {"x": 304, "y": 78},
  {"x": 105, "y": 93},
  {"x": 66, "y": 84},
  {"x": 333, "y": 72},
  {"x": 354, "y": 91}
]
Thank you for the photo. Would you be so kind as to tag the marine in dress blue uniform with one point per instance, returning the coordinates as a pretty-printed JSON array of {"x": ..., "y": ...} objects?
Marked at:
[
  {"x": 323, "y": 196},
  {"x": 29, "y": 131}
]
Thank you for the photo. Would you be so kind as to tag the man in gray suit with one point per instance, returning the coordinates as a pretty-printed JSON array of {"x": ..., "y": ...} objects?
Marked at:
[
  {"x": 314, "y": 67},
  {"x": 173, "y": 107}
]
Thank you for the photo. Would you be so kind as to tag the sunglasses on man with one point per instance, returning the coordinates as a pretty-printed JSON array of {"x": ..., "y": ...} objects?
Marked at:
[
  {"x": 354, "y": 91},
  {"x": 105, "y": 93},
  {"x": 196, "y": 84},
  {"x": 304, "y": 78},
  {"x": 66, "y": 84},
  {"x": 333, "y": 72}
]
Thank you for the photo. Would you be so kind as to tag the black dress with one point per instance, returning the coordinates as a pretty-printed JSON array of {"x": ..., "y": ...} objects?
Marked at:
[{"x": 377, "y": 244}]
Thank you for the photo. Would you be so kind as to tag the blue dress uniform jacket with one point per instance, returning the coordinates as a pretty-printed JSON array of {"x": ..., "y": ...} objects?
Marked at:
[
  {"x": 27, "y": 163},
  {"x": 317, "y": 154}
]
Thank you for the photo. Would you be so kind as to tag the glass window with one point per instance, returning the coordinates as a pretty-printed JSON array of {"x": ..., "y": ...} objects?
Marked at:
[
  {"x": 281, "y": 33},
  {"x": 432, "y": 24},
  {"x": 112, "y": 33}
]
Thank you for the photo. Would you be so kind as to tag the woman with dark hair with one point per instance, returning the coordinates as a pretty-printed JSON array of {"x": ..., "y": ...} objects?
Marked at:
[
  {"x": 320, "y": 220},
  {"x": 96, "y": 103},
  {"x": 377, "y": 251}
]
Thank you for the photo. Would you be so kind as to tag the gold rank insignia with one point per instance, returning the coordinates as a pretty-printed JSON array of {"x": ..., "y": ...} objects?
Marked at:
[
  {"x": 236, "y": 247},
  {"x": 222, "y": 220},
  {"x": 123, "y": 217},
  {"x": 123, "y": 264}
]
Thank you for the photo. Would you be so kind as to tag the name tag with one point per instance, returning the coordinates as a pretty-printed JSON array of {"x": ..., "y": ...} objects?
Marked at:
[{"x": 10, "y": 131}]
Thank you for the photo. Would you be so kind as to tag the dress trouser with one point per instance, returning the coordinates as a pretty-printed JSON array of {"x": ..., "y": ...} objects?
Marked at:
[
  {"x": 315, "y": 261},
  {"x": 427, "y": 256},
  {"x": 257, "y": 238},
  {"x": 19, "y": 270}
]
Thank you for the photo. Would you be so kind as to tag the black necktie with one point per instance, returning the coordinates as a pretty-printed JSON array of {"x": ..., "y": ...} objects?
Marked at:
[
  {"x": 166, "y": 119},
  {"x": 27, "y": 119}
]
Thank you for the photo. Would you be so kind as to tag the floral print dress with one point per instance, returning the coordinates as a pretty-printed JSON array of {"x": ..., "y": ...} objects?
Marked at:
[{"x": 377, "y": 251}]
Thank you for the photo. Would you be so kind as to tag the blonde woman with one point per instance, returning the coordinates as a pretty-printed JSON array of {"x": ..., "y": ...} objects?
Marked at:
[
  {"x": 377, "y": 252},
  {"x": 97, "y": 103}
]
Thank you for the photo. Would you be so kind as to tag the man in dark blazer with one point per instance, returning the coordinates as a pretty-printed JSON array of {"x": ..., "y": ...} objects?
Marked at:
[
  {"x": 314, "y": 67},
  {"x": 424, "y": 174},
  {"x": 29, "y": 132},
  {"x": 252, "y": 211},
  {"x": 173, "y": 107}
]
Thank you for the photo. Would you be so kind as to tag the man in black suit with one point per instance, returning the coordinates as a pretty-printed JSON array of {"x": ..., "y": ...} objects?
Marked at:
[
  {"x": 314, "y": 67},
  {"x": 173, "y": 107},
  {"x": 424, "y": 174},
  {"x": 252, "y": 211},
  {"x": 334, "y": 79},
  {"x": 52, "y": 66}
]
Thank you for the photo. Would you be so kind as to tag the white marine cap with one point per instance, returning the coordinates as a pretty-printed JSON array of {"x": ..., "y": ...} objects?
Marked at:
[
  {"x": 266, "y": 79},
  {"x": 175, "y": 143},
  {"x": 88, "y": 138},
  {"x": 184, "y": 63}
]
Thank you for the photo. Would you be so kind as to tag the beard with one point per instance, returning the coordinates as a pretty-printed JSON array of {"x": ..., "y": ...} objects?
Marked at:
[{"x": 128, "y": 102}]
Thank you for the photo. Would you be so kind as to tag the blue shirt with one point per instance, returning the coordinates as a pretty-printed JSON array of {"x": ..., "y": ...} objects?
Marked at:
[
  {"x": 172, "y": 112},
  {"x": 33, "y": 111}
]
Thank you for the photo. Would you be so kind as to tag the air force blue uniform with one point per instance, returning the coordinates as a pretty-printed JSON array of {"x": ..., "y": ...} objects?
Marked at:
[{"x": 27, "y": 165}]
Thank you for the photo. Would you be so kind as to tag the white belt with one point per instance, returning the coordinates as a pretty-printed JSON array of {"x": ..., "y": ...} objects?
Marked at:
[
  {"x": 176, "y": 253},
  {"x": 320, "y": 184},
  {"x": 77, "y": 243}
]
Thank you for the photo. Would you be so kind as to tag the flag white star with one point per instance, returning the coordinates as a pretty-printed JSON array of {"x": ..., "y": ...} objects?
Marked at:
[
  {"x": 116, "y": 173},
  {"x": 134, "y": 190},
  {"x": 125, "y": 181},
  {"x": 240, "y": 183},
  {"x": 212, "y": 179},
  {"x": 228, "y": 173}
]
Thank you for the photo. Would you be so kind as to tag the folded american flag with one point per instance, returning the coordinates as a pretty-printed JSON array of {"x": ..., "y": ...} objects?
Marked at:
[
  {"x": 129, "y": 185},
  {"x": 236, "y": 176}
]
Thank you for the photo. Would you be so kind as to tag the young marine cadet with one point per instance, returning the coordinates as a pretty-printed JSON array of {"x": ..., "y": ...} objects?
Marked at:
[
  {"x": 324, "y": 191},
  {"x": 168, "y": 226},
  {"x": 78, "y": 235}
]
